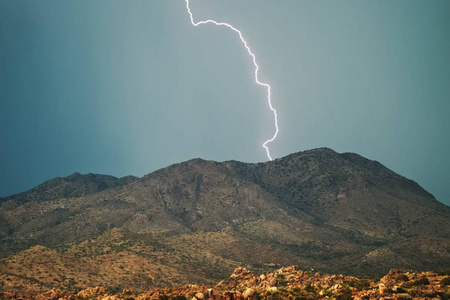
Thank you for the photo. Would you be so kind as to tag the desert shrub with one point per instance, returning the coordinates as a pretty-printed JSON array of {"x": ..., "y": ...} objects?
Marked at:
[
  {"x": 344, "y": 297},
  {"x": 178, "y": 297},
  {"x": 445, "y": 281},
  {"x": 347, "y": 295},
  {"x": 281, "y": 280},
  {"x": 422, "y": 281},
  {"x": 443, "y": 272},
  {"x": 402, "y": 278},
  {"x": 407, "y": 285},
  {"x": 309, "y": 288},
  {"x": 299, "y": 294},
  {"x": 362, "y": 284},
  {"x": 444, "y": 296},
  {"x": 400, "y": 290},
  {"x": 415, "y": 293},
  {"x": 376, "y": 278},
  {"x": 350, "y": 283},
  {"x": 274, "y": 296}
]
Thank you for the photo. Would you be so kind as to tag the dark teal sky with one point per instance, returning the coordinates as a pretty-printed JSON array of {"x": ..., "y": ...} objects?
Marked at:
[{"x": 127, "y": 87}]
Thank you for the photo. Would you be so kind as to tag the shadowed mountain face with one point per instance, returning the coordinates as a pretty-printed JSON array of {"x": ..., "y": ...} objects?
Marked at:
[
  {"x": 75, "y": 185},
  {"x": 198, "y": 220}
]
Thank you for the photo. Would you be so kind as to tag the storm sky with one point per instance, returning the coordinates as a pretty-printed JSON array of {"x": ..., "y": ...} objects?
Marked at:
[{"x": 128, "y": 87}]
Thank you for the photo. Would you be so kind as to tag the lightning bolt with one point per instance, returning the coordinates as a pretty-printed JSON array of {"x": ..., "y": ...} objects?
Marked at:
[{"x": 266, "y": 85}]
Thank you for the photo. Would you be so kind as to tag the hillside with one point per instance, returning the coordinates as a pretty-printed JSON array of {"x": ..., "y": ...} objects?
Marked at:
[
  {"x": 284, "y": 283},
  {"x": 195, "y": 222}
]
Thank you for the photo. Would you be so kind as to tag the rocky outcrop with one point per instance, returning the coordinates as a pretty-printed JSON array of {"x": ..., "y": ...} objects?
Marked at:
[{"x": 284, "y": 283}]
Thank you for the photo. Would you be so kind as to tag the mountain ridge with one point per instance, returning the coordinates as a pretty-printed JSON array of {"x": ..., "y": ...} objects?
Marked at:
[
  {"x": 337, "y": 213},
  {"x": 74, "y": 185}
]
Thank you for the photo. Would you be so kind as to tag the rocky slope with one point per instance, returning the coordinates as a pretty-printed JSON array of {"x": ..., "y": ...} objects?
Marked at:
[
  {"x": 196, "y": 221},
  {"x": 284, "y": 283}
]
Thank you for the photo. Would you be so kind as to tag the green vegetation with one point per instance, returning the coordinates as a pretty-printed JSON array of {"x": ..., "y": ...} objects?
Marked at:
[
  {"x": 173, "y": 297},
  {"x": 402, "y": 278},
  {"x": 445, "y": 281},
  {"x": 347, "y": 295},
  {"x": 281, "y": 280},
  {"x": 360, "y": 285},
  {"x": 443, "y": 272},
  {"x": 421, "y": 281},
  {"x": 282, "y": 293}
]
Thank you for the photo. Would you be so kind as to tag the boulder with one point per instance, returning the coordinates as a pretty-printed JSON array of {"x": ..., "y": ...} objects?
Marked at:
[
  {"x": 199, "y": 296},
  {"x": 248, "y": 293},
  {"x": 382, "y": 288}
]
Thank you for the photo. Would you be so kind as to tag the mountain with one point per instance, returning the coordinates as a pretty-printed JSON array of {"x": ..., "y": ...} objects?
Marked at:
[
  {"x": 196, "y": 221},
  {"x": 75, "y": 185}
]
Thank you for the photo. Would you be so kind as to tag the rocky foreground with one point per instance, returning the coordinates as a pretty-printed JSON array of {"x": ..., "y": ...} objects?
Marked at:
[{"x": 284, "y": 283}]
